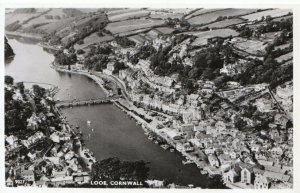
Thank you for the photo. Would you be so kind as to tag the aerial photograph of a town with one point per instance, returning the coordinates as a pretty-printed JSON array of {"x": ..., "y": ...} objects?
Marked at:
[{"x": 148, "y": 98}]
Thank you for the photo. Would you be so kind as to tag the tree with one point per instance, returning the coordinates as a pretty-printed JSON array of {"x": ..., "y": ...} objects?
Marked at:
[
  {"x": 9, "y": 80},
  {"x": 21, "y": 87},
  {"x": 215, "y": 182},
  {"x": 240, "y": 123},
  {"x": 100, "y": 34},
  {"x": 124, "y": 42},
  {"x": 80, "y": 51},
  {"x": 113, "y": 169},
  {"x": 208, "y": 74},
  {"x": 38, "y": 91},
  {"x": 118, "y": 66},
  {"x": 8, "y": 51},
  {"x": 189, "y": 85}
]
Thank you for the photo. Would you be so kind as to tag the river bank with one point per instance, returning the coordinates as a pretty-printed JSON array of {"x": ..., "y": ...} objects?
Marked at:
[
  {"x": 24, "y": 35},
  {"x": 97, "y": 79}
]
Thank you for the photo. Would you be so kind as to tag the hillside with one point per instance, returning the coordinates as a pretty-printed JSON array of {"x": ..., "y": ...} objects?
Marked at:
[{"x": 7, "y": 49}]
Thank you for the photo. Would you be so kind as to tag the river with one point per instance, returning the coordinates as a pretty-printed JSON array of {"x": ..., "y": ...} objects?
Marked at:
[{"x": 114, "y": 134}]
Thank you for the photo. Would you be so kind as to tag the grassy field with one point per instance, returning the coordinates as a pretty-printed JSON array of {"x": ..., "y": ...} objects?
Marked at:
[
  {"x": 283, "y": 46},
  {"x": 213, "y": 33},
  {"x": 251, "y": 46},
  {"x": 67, "y": 27},
  {"x": 88, "y": 10},
  {"x": 57, "y": 26},
  {"x": 212, "y": 16},
  {"x": 134, "y": 32},
  {"x": 200, "y": 11},
  {"x": 272, "y": 13},
  {"x": 131, "y": 25},
  {"x": 21, "y": 17},
  {"x": 153, "y": 34},
  {"x": 204, "y": 36},
  {"x": 224, "y": 23},
  {"x": 142, "y": 37},
  {"x": 164, "y": 15},
  {"x": 284, "y": 17},
  {"x": 183, "y": 11},
  {"x": 284, "y": 57},
  {"x": 115, "y": 12},
  {"x": 128, "y": 15},
  {"x": 93, "y": 39},
  {"x": 165, "y": 30},
  {"x": 42, "y": 19},
  {"x": 138, "y": 38}
]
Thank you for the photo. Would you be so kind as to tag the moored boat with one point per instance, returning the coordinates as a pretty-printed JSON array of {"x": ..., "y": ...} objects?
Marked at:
[
  {"x": 165, "y": 146},
  {"x": 187, "y": 162}
]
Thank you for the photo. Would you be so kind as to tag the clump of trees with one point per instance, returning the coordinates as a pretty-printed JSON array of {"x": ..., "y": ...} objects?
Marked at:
[
  {"x": 8, "y": 51},
  {"x": 119, "y": 66},
  {"x": 113, "y": 169},
  {"x": 143, "y": 52},
  {"x": 95, "y": 24},
  {"x": 16, "y": 111},
  {"x": 52, "y": 39},
  {"x": 270, "y": 26},
  {"x": 8, "y": 80},
  {"x": 124, "y": 42},
  {"x": 48, "y": 16},
  {"x": 207, "y": 63},
  {"x": 80, "y": 51},
  {"x": 97, "y": 57},
  {"x": 13, "y": 26},
  {"x": 172, "y": 22},
  {"x": 62, "y": 58},
  {"x": 216, "y": 182},
  {"x": 25, "y": 10},
  {"x": 96, "y": 62},
  {"x": 282, "y": 38},
  {"x": 268, "y": 71}
]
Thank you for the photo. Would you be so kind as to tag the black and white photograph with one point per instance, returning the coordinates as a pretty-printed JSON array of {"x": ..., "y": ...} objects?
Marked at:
[{"x": 144, "y": 97}]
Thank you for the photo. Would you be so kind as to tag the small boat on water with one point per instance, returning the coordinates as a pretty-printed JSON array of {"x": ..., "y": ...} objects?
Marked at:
[
  {"x": 156, "y": 142},
  {"x": 165, "y": 146},
  {"x": 88, "y": 122},
  {"x": 187, "y": 162},
  {"x": 151, "y": 138},
  {"x": 172, "y": 150}
]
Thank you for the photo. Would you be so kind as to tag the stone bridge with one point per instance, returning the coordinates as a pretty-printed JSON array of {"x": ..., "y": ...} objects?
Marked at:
[{"x": 71, "y": 103}]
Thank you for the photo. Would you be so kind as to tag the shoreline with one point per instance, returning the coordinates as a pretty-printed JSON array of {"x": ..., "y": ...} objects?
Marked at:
[
  {"x": 24, "y": 35},
  {"x": 93, "y": 77}
]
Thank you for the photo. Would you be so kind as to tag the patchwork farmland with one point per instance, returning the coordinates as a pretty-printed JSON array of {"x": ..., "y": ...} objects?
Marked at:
[
  {"x": 94, "y": 38},
  {"x": 131, "y": 25},
  {"x": 127, "y": 14},
  {"x": 273, "y": 13},
  {"x": 203, "y": 36},
  {"x": 213, "y": 16},
  {"x": 224, "y": 23}
]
